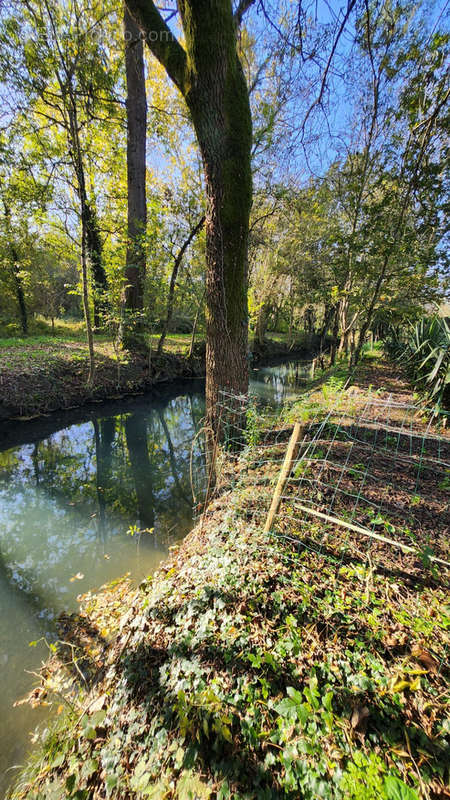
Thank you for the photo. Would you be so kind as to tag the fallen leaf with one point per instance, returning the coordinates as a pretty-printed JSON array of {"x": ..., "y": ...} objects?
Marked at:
[
  {"x": 78, "y": 577},
  {"x": 98, "y": 704},
  {"x": 359, "y": 719},
  {"x": 402, "y": 685},
  {"x": 424, "y": 657}
]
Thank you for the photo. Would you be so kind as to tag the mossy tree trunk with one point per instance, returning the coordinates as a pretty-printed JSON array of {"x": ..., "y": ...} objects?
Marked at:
[
  {"x": 209, "y": 75},
  {"x": 77, "y": 161},
  {"x": 95, "y": 255},
  {"x": 136, "y": 106}
]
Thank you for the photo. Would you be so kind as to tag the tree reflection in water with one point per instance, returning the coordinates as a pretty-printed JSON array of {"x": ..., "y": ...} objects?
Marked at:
[{"x": 67, "y": 500}]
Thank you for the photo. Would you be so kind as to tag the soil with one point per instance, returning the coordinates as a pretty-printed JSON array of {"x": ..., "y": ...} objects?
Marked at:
[{"x": 46, "y": 377}]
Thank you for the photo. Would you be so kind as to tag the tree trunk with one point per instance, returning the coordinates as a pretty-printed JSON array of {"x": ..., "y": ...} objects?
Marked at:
[
  {"x": 86, "y": 309},
  {"x": 211, "y": 79},
  {"x": 79, "y": 172},
  {"x": 226, "y": 159},
  {"x": 136, "y": 107},
  {"x": 20, "y": 294},
  {"x": 18, "y": 285},
  {"x": 327, "y": 317},
  {"x": 91, "y": 242},
  {"x": 345, "y": 329},
  {"x": 194, "y": 326},
  {"x": 261, "y": 324},
  {"x": 356, "y": 354},
  {"x": 334, "y": 336},
  {"x": 94, "y": 252},
  {"x": 173, "y": 280}
]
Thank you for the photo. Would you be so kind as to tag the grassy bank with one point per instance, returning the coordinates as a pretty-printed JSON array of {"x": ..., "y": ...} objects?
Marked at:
[
  {"x": 43, "y": 373},
  {"x": 251, "y": 668},
  {"x": 40, "y": 374}
]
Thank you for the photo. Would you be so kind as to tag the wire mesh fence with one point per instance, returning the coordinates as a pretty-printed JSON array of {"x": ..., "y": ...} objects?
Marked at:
[{"x": 366, "y": 479}]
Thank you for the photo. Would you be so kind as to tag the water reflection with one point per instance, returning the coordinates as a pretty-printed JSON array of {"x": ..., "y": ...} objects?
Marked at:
[
  {"x": 280, "y": 383},
  {"x": 66, "y": 503}
]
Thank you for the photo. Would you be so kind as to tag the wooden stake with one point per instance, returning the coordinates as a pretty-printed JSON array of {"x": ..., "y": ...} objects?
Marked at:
[
  {"x": 358, "y": 529},
  {"x": 284, "y": 475}
]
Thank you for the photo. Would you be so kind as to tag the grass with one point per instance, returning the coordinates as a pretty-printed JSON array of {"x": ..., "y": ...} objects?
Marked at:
[
  {"x": 48, "y": 371},
  {"x": 250, "y": 669},
  {"x": 177, "y": 343},
  {"x": 71, "y": 331},
  {"x": 44, "y": 371}
]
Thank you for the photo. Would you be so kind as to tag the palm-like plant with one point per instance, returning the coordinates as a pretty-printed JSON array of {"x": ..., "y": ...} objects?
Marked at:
[{"x": 423, "y": 351}]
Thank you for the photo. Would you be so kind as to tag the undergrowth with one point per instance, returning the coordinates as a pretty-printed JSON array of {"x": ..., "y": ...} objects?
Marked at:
[
  {"x": 250, "y": 669},
  {"x": 247, "y": 670}
]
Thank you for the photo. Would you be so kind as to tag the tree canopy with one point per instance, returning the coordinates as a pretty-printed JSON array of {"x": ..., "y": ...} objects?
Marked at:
[{"x": 312, "y": 140}]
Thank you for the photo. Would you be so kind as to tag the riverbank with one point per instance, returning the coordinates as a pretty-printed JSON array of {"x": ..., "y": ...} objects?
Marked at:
[
  {"x": 41, "y": 375},
  {"x": 250, "y": 668}
]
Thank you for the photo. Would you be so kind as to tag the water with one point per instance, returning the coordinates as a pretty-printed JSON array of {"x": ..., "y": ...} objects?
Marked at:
[{"x": 69, "y": 499}]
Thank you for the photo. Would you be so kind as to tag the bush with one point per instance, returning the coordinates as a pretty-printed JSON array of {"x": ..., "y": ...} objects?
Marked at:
[{"x": 423, "y": 351}]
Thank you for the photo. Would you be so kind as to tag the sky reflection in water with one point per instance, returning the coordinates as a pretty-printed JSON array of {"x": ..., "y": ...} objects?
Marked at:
[{"x": 66, "y": 504}]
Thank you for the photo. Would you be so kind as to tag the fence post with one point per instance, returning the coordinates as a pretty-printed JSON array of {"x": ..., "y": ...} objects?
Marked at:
[{"x": 284, "y": 475}]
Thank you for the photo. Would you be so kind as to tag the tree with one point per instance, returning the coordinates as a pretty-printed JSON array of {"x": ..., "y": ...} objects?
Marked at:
[
  {"x": 21, "y": 194},
  {"x": 173, "y": 279},
  {"x": 136, "y": 106},
  {"x": 54, "y": 64},
  {"x": 209, "y": 75}
]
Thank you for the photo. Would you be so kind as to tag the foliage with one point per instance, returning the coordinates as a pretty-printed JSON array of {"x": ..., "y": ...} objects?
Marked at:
[
  {"x": 423, "y": 352},
  {"x": 246, "y": 668},
  {"x": 222, "y": 687},
  {"x": 351, "y": 245}
]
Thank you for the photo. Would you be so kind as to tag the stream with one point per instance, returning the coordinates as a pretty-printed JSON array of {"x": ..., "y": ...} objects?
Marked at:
[{"x": 73, "y": 489}]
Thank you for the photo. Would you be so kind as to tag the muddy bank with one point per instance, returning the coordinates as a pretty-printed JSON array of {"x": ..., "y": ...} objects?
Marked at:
[{"x": 40, "y": 383}]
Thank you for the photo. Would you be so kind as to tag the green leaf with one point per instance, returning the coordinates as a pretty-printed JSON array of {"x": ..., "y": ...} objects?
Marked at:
[
  {"x": 191, "y": 787},
  {"x": 398, "y": 790},
  {"x": 294, "y": 694},
  {"x": 286, "y": 707},
  {"x": 327, "y": 701}
]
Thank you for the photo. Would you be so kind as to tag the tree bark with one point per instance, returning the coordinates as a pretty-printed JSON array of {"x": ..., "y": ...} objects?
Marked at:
[
  {"x": 94, "y": 252},
  {"x": 327, "y": 317},
  {"x": 335, "y": 334},
  {"x": 20, "y": 294},
  {"x": 136, "y": 107},
  {"x": 86, "y": 309},
  {"x": 195, "y": 324},
  {"x": 81, "y": 186},
  {"x": 261, "y": 324},
  {"x": 209, "y": 75}
]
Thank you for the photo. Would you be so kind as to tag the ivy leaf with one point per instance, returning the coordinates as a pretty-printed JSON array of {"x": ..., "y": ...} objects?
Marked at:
[
  {"x": 286, "y": 707},
  {"x": 191, "y": 787},
  {"x": 398, "y": 790}
]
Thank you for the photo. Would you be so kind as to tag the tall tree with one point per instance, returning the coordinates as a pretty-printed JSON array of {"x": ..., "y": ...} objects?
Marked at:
[
  {"x": 55, "y": 65},
  {"x": 136, "y": 106},
  {"x": 22, "y": 195},
  {"x": 15, "y": 270},
  {"x": 208, "y": 73}
]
